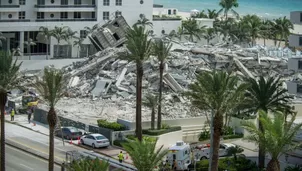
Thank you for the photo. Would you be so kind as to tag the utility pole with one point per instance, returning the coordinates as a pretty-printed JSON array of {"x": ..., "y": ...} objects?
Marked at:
[{"x": 212, "y": 139}]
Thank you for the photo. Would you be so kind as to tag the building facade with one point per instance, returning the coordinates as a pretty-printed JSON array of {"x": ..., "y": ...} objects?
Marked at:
[
  {"x": 20, "y": 21},
  {"x": 295, "y": 39}
]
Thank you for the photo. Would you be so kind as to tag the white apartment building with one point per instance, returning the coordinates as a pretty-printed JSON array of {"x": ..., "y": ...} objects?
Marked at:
[
  {"x": 20, "y": 21},
  {"x": 295, "y": 39}
]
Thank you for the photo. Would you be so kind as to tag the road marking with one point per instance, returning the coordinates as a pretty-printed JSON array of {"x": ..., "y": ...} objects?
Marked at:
[{"x": 26, "y": 166}]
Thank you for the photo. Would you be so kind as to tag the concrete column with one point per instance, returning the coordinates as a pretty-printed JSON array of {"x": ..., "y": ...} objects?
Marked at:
[
  {"x": 8, "y": 44},
  {"x": 21, "y": 42}
]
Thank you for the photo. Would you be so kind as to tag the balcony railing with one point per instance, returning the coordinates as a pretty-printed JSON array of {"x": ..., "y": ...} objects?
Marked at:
[
  {"x": 65, "y": 6},
  {"x": 14, "y": 20},
  {"x": 9, "y": 6},
  {"x": 66, "y": 19}
]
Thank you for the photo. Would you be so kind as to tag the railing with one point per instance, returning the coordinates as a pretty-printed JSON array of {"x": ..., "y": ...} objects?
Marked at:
[
  {"x": 15, "y": 20},
  {"x": 9, "y": 6},
  {"x": 65, "y": 6},
  {"x": 66, "y": 19}
]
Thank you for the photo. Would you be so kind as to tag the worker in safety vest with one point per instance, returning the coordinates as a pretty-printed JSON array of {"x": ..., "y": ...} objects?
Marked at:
[
  {"x": 121, "y": 157},
  {"x": 12, "y": 115}
]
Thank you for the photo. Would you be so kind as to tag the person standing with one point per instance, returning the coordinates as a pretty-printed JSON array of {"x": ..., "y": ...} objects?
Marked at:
[
  {"x": 174, "y": 165},
  {"x": 121, "y": 157},
  {"x": 12, "y": 115}
]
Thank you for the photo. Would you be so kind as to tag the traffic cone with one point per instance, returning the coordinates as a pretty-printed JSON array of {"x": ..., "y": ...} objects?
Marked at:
[
  {"x": 79, "y": 142},
  {"x": 70, "y": 142},
  {"x": 34, "y": 123}
]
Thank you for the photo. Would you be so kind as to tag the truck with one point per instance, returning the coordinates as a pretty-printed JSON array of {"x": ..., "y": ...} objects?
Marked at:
[
  {"x": 202, "y": 151},
  {"x": 181, "y": 153}
]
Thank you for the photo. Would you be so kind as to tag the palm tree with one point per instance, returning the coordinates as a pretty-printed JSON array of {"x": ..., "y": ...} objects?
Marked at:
[
  {"x": 8, "y": 80},
  {"x": 161, "y": 50},
  {"x": 78, "y": 42},
  {"x": 45, "y": 33},
  {"x": 29, "y": 43},
  {"x": 2, "y": 38},
  {"x": 88, "y": 164},
  {"x": 267, "y": 95},
  {"x": 51, "y": 89},
  {"x": 143, "y": 21},
  {"x": 201, "y": 14},
  {"x": 266, "y": 30},
  {"x": 144, "y": 154},
  {"x": 209, "y": 35},
  {"x": 227, "y": 6},
  {"x": 283, "y": 27},
  {"x": 234, "y": 151},
  {"x": 278, "y": 136},
  {"x": 139, "y": 48},
  {"x": 192, "y": 29},
  {"x": 150, "y": 101},
  {"x": 212, "y": 14},
  {"x": 59, "y": 33},
  {"x": 253, "y": 25},
  {"x": 90, "y": 30},
  {"x": 219, "y": 93},
  {"x": 16, "y": 51}
]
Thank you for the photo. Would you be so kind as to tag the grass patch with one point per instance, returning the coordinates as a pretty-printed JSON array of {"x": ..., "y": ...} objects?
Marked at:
[{"x": 156, "y": 132}]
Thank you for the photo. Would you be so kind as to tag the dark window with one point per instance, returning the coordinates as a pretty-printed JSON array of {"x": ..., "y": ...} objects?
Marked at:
[
  {"x": 106, "y": 2},
  {"x": 92, "y": 14},
  {"x": 40, "y": 15},
  {"x": 64, "y": 2},
  {"x": 299, "y": 88},
  {"x": 52, "y": 1},
  {"x": 83, "y": 34},
  {"x": 116, "y": 37},
  {"x": 299, "y": 64},
  {"x": 105, "y": 15},
  {"x": 300, "y": 41},
  {"x": 301, "y": 17},
  {"x": 52, "y": 15},
  {"x": 169, "y": 12},
  {"x": 93, "y": 2},
  {"x": 118, "y": 2},
  {"x": 64, "y": 15},
  {"x": 41, "y": 2},
  {"x": 10, "y": 15},
  {"x": 77, "y": 15},
  {"x": 39, "y": 48},
  {"x": 10, "y": 1},
  {"x": 22, "y": 15},
  {"x": 174, "y": 12},
  {"x": 118, "y": 13},
  {"x": 22, "y": 2},
  {"x": 77, "y": 2}
]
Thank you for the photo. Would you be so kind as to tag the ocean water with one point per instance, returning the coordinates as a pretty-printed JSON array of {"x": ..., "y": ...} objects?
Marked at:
[{"x": 263, "y": 8}]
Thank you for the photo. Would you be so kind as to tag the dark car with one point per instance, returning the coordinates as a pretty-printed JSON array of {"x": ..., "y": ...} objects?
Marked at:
[{"x": 69, "y": 133}]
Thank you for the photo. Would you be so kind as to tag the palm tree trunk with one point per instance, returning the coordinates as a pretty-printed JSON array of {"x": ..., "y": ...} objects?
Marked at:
[
  {"x": 52, "y": 120},
  {"x": 153, "y": 119},
  {"x": 218, "y": 123},
  {"x": 161, "y": 73},
  {"x": 3, "y": 99},
  {"x": 273, "y": 165},
  {"x": 261, "y": 153},
  {"x": 47, "y": 50},
  {"x": 140, "y": 72}
]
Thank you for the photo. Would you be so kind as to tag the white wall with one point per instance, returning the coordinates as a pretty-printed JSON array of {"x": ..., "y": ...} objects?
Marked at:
[
  {"x": 169, "y": 139},
  {"x": 292, "y": 64},
  {"x": 205, "y": 22},
  {"x": 165, "y": 11},
  {"x": 295, "y": 17},
  {"x": 294, "y": 40},
  {"x": 291, "y": 87},
  {"x": 167, "y": 25}
]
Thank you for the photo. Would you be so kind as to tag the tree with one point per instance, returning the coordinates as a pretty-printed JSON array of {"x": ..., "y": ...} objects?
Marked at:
[
  {"x": 51, "y": 89},
  {"x": 29, "y": 43},
  {"x": 209, "y": 35},
  {"x": 59, "y": 33},
  {"x": 192, "y": 29},
  {"x": 161, "y": 49},
  {"x": 283, "y": 26},
  {"x": 267, "y": 95},
  {"x": 144, "y": 154},
  {"x": 2, "y": 38},
  {"x": 227, "y": 6},
  {"x": 16, "y": 51},
  {"x": 234, "y": 151},
  {"x": 201, "y": 14},
  {"x": 266, "y": 30},
  {"x": 45, "y": 33},
  {"x": 212, "y": 14},
  {"x": 78, "y": 42},
  {"x": 90, "y": 30},
  {"x": 88, "y": 164},
  {"x": 143, "y": 21},
  {"x": 8, "y": 80},
  {"x": 278, "y": 136},
  {"x": 253, "y": 25},
  {"x": 150, "y": 101},
  {"x": 139, "y": 49},
  {"x": 217, "y": 92}
]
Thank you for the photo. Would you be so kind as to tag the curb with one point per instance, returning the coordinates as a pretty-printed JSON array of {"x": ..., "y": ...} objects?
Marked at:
[
  {"x": 30, "y": 152},
  {"x": 16, "y": 123}
]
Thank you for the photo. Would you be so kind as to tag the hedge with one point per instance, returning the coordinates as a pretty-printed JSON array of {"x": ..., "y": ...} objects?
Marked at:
[
  {"x": 119, "y": 142},
  {"x": 111, "y": 125},
  {"x": 161, "y": 131},
  {"x": 232, "y": 136}
]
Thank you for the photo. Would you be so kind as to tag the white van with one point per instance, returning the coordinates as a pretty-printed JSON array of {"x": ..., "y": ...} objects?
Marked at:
[{"x": 181, "y": 153}]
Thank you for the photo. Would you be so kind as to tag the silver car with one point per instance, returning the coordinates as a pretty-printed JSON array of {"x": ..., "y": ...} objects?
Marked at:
[{"x": 95, "y": 140}]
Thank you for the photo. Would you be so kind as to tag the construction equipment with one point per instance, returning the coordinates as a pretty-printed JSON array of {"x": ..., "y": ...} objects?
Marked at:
[{"x": 28, "y": 101}]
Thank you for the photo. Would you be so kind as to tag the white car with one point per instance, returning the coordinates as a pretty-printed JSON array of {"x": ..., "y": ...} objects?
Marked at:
[
  {"x": 202, "y": 151},
  {"x": 95, "y": 140}
]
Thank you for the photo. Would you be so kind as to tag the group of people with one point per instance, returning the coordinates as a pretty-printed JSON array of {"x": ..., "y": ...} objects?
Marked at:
[
  {"x": 167, "y": 166},
  {"x": 30, "y": 111}
]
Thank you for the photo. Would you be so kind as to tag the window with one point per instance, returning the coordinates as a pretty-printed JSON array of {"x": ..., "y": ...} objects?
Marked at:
[
  {"x": 300, "y": 41},
  {"x": 299, "y": 88},
  {"x": 40, "y": 15},
  {"x": 64, "y": 15},
  {"x": 118, "y": 2},
  {"x": 105, "y": 15},
  {"x": 301, "y": 17},
  {"x": 83, "y": 34},
  {"x": 22, "y": 15},
  {"x": 106, "y": 2},
  {"x": 118, "y": 13},
  {"x": 174, "y": 12},
  {"x": 22, "y": 2},
  {"x": 52, "y": 15},
  {"x": 41, "y": 2},
  {"x": 77, "y": 15},
  {"x": 92, "y": 14},
  {"x": 169, "y": 12},
  {"x": 10, "y": 1},
  {"x": 93, "y": 2},
  {"x": 10, "y": 15},
  {"x": 299, "y": 64},
  {"x": 77, "y": 2},
  {"x": 64, "y": 2}
]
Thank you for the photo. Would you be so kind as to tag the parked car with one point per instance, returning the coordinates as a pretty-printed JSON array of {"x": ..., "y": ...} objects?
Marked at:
[
  {"x": 69, "y": 133},
  {"x": 95, "y": 140}
]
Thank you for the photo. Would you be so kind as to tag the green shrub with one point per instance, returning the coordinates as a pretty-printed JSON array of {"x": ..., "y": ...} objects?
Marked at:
[
  {"x": 165, "y": 126},
  {"x": 110, "y": 125},
  {"x": 146, "y": 138},
  {"x": 161, "y": 131},
  {"x": 293, "y": 168},
  {"x": 225, "y": 137},
  {"x": 227, "y": 130},
  {"x": 119, "y": 142},
  {"x": 204, "y": 135}
]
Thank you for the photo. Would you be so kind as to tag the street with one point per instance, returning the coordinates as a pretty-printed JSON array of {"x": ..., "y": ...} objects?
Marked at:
[{"x": 17, "y": 160}]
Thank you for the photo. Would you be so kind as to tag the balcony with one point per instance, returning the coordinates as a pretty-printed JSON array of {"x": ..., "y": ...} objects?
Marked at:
[
  {"x": 65, "y": 8},
  {"x": 14, "y": 20},
  {"x": 66, "y": 19},
  {"x": 9, "y": 8}
]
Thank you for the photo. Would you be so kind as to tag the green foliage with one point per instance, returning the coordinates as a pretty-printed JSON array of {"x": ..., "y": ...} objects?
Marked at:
[
  {"x": 233, "y": 136},
  {"x": 191, "y": 28},
  {"x": 227, "y": 130},
  {"x": 165, "y": 126},
  {"x": 161, "y": 131},
  {"x": 119, "y": 142},
  {"x": 293, "y": 168},
  {"x": 146, "y": 138},
  {"x": 88, "y": 164},
  {"x": 204, "y": 135},
  {"x": 111, "y": 125}
]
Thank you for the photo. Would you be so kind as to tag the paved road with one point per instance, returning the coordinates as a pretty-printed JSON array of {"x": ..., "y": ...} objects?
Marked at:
[{"x": 17, "y": 160}]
